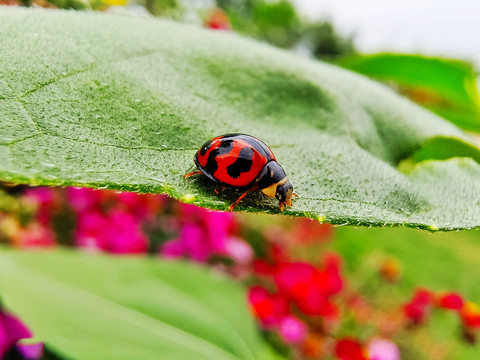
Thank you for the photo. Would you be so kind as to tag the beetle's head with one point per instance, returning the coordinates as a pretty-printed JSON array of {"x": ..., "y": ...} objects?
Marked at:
[{"x": 284, "y": 194}]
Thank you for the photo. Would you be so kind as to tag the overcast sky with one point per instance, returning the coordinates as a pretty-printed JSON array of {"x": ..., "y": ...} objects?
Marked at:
[{"x": 439, "y": 27}]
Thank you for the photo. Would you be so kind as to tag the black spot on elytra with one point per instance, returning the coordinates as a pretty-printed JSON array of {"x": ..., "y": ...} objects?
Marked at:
[
  {"x": 242, "y": 164},
  {"x": 212, "y": 164}
]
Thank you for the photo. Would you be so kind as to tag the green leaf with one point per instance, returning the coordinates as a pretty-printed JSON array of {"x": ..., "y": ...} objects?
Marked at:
[
  {"x": 123, "y": 103},
  {"x": 98, "y": 307},
  {"x": 447, "y": 87}
]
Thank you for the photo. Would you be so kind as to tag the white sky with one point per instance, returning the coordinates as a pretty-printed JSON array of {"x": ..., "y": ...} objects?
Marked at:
[{"x": 437, "y": 27}]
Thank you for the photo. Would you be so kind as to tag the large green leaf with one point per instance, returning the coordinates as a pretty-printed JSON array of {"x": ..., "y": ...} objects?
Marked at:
[
  {"x": 124, "y": 103},
  {"x": 98, "y": 307},
  {"x": 447, "y": 87}
]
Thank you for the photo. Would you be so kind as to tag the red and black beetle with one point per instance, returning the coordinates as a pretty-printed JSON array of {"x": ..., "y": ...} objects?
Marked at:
[{"x": 245, "y": 162}]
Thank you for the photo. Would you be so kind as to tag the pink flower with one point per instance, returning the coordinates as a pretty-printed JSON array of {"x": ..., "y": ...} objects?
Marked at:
[
  {"x": 292, "y": 330},
  {"x": 239, "y": 251},
  {"x": 382, "y": 349}
]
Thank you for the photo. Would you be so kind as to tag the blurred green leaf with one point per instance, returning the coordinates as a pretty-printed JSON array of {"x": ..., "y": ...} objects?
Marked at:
[
  {"x": 447, "y": 87},
  {"x": 124, "y": 103},
  {"x": 98, "y": 307},
  {"x": 324, "y": 42},
  {"x": 275, "y": 22}
]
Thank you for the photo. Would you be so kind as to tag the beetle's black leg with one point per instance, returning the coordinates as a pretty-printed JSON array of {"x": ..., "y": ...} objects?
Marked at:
[
  {"x": 191, "y": 174},
  {"x": 217, "y": 191}
]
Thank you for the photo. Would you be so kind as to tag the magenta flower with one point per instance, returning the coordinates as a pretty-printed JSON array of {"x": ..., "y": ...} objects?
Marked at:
[
  {"x": 206, "y": 233},
  {"x": 90, "y": 231},
  {"x": 173, "y": 249},
  {"x": 30, "y": 351},
  {"x": 116, "y": 232},
  {"x": 41, "y": 195},
  {"x": 196, "y": 242},
  {"x": 382, "y": 349},
  {"x": 12, "y": 330},
  {"x": 46, "y": 201},
  {"x": 124, "y": 234},
  {"x": 83, "y": 199}
]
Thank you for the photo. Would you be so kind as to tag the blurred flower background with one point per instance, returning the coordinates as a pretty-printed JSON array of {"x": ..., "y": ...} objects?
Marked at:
[{"x": 317, "y": 292}]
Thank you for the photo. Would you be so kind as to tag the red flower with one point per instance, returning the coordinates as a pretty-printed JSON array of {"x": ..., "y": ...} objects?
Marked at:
[
  {"x": 294, "y": 278},
  {"x": 308, "y": 231},
  {"x": 349, "y": 349},
  {"x": 419, "y": 307},
  {"x": 270, "y": 309},
  {"x": 451, "y": 300},
  {"x": 310, "y": 288},
  {"x": 217, "y": 20}
]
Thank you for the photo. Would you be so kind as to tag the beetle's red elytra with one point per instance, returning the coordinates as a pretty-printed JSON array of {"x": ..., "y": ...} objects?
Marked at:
[{"x": 245, "y": 162}]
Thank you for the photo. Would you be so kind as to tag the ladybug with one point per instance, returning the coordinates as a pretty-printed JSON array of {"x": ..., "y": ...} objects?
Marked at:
[{"x": 245, "y": 162}]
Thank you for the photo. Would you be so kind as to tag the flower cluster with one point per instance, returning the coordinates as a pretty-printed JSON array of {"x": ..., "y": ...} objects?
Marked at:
[
  {"x": 301, "y": 301},
  {"x": 112, "y": 221},
  {"x": 302, "y": 304},
  {"x": 206, "y": 234},
  {"x": 419, "y": 309},
  {"x": 292, "y": 291},
  {"x": 28, "y": 221}
]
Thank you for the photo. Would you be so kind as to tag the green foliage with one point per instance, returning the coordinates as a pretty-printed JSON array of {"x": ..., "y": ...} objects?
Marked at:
[
  {"x": 98, "y": 307},
  {"x": 275, "y": 22},
  {"x": 164, "y": 8},
  {"x": 447, "y": 87},
  {"x": 279, "y": 24},
  {"x": 69, "y": 4},
  {"x": 124, "y": 103},
  {"x": 324, "y": 42}
]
